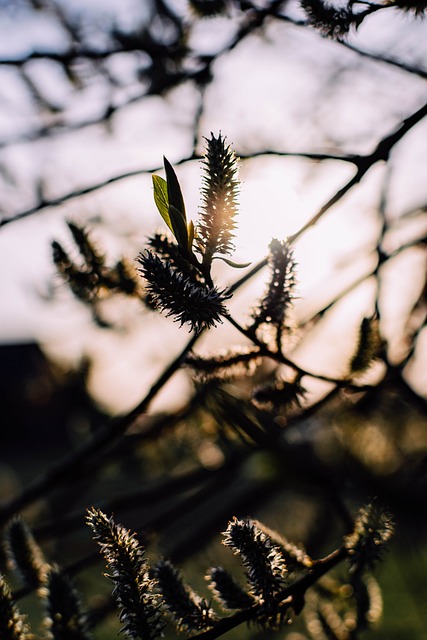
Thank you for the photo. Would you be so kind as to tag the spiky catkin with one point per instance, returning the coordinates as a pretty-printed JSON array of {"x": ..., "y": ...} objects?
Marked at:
[
  {"x": 65, "y": 266},
  {"x": 296, "y": 557},
  {"x": 227, "y": 590},
  {"x": 189, "y": 302},
  {"x": 92, "y": 279},
  {"x": 231, "y": 413},
  {"x": 280, "y": 393},
  {"x": 419, "y": 7},
  {"x": 90, "y": 254},
  {"x": 372, "y": 530},
  {"x": 278, "y": 298},
  {"x": 368, "y": 346},
  {"x": 215, "y": 230},
  {"x": 190, "y": 611},
  {"x": 60, "y": 257},
  {"x": 133, "y": 587},
  {"x": 65, "y": 619},
  {"x": 82, "y": 282},
  {"x": 223, "y": 366},
  {"x": 166, "y": 249},
  {"x": 24, "y": 554},
  {"x": 264, "y": 562},
  {"x": 331, "y": 21},
  {"x": 122, "y": 277},
  {"x": 12, "y": 622}
]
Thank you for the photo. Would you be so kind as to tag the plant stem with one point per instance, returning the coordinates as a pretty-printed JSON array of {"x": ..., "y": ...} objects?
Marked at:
[{"x": 297, "y": 589}]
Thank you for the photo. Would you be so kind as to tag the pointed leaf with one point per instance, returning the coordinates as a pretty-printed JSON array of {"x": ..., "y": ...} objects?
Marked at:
[
  {"x": 161, "y": 199},
  {"x": 190, "y": 231},
  {"x": 174, "y": 190},
  {"x": 179, "y": 227},
  {"x": 230, "y": 263}
]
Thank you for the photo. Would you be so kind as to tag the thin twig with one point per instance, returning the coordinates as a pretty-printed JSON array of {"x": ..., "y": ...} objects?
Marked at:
[{"x": 298, "y": 588}]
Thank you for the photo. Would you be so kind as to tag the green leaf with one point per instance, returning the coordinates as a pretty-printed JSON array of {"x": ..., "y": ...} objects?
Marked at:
[
  {"x": 179, "y": 227},
  {"x": 161, "y": 199},
  {"x": 174, "y": 190},
  {"x": 190, "y": 231},
  {"x": 176, "y": 208},
  {"x": 230, "y": 263}
]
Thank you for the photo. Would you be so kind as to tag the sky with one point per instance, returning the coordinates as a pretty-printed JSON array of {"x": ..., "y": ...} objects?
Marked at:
[{"x": 282, "y": 89}]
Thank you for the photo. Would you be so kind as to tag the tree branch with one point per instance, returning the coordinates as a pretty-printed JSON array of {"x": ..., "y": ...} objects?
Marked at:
[{"x": 70, "y": 464}]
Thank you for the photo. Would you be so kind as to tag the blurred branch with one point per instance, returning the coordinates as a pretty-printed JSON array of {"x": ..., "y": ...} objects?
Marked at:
[
  {"x": 71, "y": 55},
  {"x": 403, "y": 66},
  {"x": 363, "y": 164},
  {"x": 153, "y": 493},
  {"x": 370, "y": 55},
  {"x": 380, "y": 154},
  {"x": 60, "y": 128},
  {"x": 55, "y": 202},
  {"x": 213, "y": 481},
  {"x": 252, "y": 18},
  {"x": 279, "y": 357},
  {"x": 64, "y": 468}
]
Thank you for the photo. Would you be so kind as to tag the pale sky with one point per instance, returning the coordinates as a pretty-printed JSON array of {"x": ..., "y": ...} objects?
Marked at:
[{"x": 286, "y": 89}]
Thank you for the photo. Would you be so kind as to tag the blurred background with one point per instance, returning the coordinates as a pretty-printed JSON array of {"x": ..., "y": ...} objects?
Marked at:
[{"x": 92, "y": 96}]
